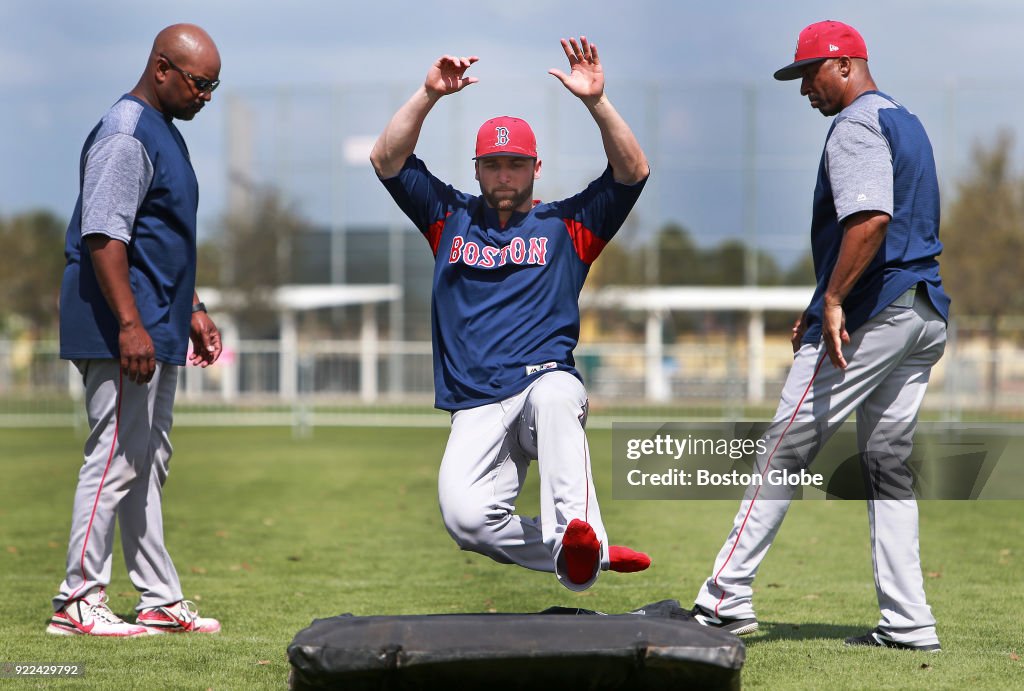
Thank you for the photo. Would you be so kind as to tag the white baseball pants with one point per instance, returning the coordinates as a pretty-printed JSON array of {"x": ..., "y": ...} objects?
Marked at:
[
  {"x": 889, "y": 363},
  {"x": 127, "y": 456},
  {"x": 485, "y": 464}
]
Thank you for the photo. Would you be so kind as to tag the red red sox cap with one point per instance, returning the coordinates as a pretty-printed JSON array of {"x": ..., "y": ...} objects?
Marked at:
[
  {"x": 821, "y": 41},
  {"x": 505, "y": 136}
]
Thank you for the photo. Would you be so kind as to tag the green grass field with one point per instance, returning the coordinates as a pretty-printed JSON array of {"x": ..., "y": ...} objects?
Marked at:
[{"x": 269, "y": 532}]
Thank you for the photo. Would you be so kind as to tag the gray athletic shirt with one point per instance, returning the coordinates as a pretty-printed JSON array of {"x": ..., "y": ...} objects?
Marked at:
[
  {"x": 118, "y": 173},
  {"x": 858, "y": 159},
  {"x": 138, "y": 186},
  {"x": 877, "y": 158}
]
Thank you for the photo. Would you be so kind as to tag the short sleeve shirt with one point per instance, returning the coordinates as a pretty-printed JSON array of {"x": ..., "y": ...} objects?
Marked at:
[
  {"x": 137, "y": 186},
  {"x": 877, "y": 157},
  {"x": 505, "y": 301}
]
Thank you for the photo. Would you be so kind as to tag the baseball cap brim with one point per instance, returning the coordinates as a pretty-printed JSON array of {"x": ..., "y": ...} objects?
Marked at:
[
  {"x": 795, "y": 70},
  {"x": 516, "y": 154}
]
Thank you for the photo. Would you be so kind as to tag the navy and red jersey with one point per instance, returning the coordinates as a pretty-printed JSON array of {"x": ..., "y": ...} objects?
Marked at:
[
  {"x": 505, "y": 303},
  {"x": 877, "y": 157},
  {"x": 136, "y": 185}
]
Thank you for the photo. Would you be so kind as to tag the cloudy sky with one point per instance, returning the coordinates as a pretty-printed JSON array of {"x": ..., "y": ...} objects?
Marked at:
[{"x": 307, "y": 83}]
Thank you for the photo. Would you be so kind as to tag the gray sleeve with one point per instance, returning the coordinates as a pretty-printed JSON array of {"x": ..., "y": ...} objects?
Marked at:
[
  {"x": 859, "y": 164},
  {"x": 118, "y": 173}
]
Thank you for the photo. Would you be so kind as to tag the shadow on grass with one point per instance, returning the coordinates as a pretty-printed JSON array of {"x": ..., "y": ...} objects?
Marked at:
[{"x": 783, "y": 631}]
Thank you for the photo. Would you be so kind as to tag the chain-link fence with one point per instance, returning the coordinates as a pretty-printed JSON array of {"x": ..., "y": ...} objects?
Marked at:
[{"x": 705, "y": 377}]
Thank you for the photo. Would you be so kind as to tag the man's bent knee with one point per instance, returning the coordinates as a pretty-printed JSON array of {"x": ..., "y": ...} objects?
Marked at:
[{"x": 473, "y": 526}]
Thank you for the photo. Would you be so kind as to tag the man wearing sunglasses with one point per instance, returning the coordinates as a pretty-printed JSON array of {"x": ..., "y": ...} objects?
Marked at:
[
  {"x": 128, "y": 310},
  {"x": 509, "y": 270}
]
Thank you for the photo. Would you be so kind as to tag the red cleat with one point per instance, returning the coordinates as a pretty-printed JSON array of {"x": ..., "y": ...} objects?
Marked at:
[
  {"x": 581, "y": 550},
  {"x": 625, "y": 560}
]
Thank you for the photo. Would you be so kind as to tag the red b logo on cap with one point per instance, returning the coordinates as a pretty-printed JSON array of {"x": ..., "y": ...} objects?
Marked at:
[{"x": 506, "y": 136}]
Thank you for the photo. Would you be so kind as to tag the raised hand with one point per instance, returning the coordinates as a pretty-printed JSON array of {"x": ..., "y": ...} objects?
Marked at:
[
  {"x": 586, "y": 78},
  {"x": 446, "y": 75}
]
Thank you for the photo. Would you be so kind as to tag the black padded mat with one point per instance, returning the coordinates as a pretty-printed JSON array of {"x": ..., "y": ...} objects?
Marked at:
[{"x": 658, "y": 646}]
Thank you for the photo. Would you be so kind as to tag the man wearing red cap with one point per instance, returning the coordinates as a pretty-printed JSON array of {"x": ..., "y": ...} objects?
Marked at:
[
  {"x": 866, "y": 343},
  {"x": 507, "y": 277}
]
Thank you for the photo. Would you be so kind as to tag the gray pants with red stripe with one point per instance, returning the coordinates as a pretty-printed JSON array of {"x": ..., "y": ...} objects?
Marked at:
[
  {"x": 485, "y": 464},
  {"x": 889, "y": 363},
  {"x": 126, "y": 462}
]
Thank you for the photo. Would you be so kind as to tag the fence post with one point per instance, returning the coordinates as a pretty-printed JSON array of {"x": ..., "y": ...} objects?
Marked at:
[
  {"x": 755, "y": 356},
  {"x": 657, "y": 387},
  {"x": 232, "y": 356},
  {"x": 289, "y": 360},
  {"x": 368, "y": 349}
]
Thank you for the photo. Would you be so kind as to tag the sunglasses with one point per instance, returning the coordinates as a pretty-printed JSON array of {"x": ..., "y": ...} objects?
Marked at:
[{"x": 202, "y": 85}]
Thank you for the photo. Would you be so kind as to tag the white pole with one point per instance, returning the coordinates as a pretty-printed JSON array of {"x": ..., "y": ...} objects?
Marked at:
[
  {"x": 368, "y": 349},
  {"x": 289, "y": 356},
  {"x": 656, "y": 386},
  {"x": 755, "y": 356},
  {"x": 231, "y": 342}
]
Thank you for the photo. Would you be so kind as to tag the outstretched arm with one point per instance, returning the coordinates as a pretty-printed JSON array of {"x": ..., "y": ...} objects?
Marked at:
[
  {"x": 398, "y": 140},
  {"x": 586, "y": 81}
]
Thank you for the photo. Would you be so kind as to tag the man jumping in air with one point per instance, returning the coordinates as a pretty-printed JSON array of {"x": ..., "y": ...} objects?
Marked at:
[{"x": 507, "y": 277}]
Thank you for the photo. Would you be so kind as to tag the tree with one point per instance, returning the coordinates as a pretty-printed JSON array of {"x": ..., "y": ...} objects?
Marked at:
[
  {"x": 31, "y": 266},
  {"x": 983, "y": 238},
  {"x": 678, "y": 257},
  {"x": 725, "y": 265},
  {"x": 618, "y": 265},
  {"x": 256, "y": 258},
  {"x": 801, "y": 273}
]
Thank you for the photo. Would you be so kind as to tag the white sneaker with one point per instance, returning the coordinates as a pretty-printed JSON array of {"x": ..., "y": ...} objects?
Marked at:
[
  {"x": 176, "y": 618},
  {"x": 90, "y": 616}
]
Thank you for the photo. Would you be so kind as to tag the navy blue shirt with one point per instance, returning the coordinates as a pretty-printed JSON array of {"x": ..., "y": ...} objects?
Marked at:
[
  {"x": 877, "y": 157},
  {"x": 505, "y": 303},
  {"x": 136, "y": 185}
]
